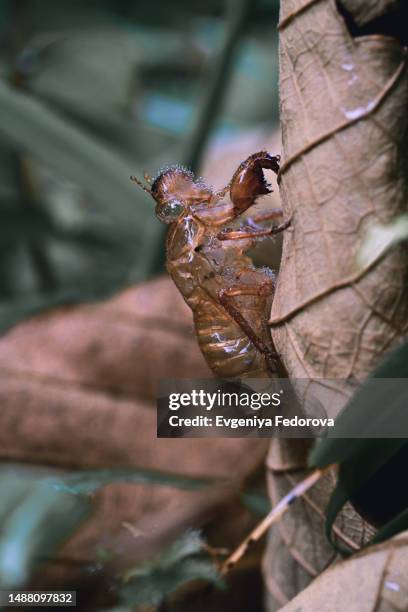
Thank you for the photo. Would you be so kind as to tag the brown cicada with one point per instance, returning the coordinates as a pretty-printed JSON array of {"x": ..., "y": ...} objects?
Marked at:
[{"x": 230, "y": 297}]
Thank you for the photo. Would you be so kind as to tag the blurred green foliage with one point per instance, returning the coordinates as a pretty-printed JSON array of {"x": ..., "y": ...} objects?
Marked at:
[
  {"x": 35, "y": 519},
  {"x": 39, "y": 512},
  {"x": 183, "y": 561},
  {"x": 87, "y": 482},
  {"x": 91, "y": 92}
]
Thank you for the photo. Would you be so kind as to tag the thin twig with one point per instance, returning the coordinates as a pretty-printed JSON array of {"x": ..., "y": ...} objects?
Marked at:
[
  {"x": 237, "y": 16},
  {"x": 273, "y": 516}
]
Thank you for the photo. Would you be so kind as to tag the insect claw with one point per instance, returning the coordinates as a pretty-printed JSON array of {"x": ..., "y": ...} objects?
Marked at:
[{"x": 276, "y": 229}]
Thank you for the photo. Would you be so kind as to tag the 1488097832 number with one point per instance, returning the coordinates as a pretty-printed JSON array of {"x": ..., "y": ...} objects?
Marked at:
[{"x": 38, "y": 598}]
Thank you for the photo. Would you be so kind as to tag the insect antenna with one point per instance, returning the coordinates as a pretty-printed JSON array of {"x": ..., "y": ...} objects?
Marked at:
[{"x": 138, "y": 182}]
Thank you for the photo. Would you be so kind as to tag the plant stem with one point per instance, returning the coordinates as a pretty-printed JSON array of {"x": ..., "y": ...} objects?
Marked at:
[
  {"x": 237, "y": 13},
  {"x": 273, "y": 516}
]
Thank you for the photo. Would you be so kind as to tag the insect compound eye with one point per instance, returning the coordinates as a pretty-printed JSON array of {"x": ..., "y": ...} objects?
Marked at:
[{"x": 169, "y": 211}]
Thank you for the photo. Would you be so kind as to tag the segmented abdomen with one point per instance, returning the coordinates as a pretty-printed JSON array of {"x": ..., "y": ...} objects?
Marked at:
[{"x": 227, "y": 349}]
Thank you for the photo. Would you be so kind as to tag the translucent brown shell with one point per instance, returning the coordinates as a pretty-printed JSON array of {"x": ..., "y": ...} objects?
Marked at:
[{"x": 178, "y": 182}]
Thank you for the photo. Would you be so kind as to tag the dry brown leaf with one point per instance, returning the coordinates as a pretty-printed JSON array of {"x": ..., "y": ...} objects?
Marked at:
[
  {"x": 344, "y": 132},
  {"x": 78, "y": 390},
  {"x": 344, "y": 138},
  {"x": 121, "y": 346},
  {"x": 371, "y": 581}
]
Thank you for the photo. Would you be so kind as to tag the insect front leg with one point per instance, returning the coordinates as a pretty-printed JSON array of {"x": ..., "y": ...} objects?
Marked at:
[
  {"x": 227, "y": 300},
  {"x": 248, "y": 182}
]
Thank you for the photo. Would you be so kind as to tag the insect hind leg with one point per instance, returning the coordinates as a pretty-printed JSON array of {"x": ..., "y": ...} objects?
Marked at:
[{"x": 226, "y": 298}]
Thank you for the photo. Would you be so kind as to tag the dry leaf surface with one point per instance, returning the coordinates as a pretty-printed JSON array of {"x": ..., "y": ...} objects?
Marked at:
[
  {"x": 344, "y": 133},
  {"x": 372, "y": 581},
  {"x": 78, "y": 391}
]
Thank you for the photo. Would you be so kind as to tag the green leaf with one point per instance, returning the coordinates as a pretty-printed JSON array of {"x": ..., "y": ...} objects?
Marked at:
[
  {"x": 353, "y": 474},
  {"x": 182, "y": 562},
  {"x": 44, "y": 264},
  {"x": 377, "y": 408},
  {"x": 374, "y": 405},
  {"x": 91, "y": 70},
  {"x": 87, "y": 482},
  {"x": 380, "y": 238},
  {"x": 38, "y": 514},
  {"x": 49, "y": 257},
  {"x": 396, "y": 525},
  {"x": 101, "y": 172},
  {"x": 34, "y": 521}
]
